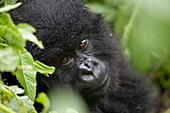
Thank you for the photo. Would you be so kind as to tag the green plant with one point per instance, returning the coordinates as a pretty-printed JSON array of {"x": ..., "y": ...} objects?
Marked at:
[
  {"x": 16, "y": 59},
  {"x": 142, "y": 27}
]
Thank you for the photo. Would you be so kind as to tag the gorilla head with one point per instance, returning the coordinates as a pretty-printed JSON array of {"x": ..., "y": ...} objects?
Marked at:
[{"x": 86, "y": 56}]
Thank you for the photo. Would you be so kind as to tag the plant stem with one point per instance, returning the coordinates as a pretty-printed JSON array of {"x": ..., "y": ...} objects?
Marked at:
[{"x": 129, "y": 25}]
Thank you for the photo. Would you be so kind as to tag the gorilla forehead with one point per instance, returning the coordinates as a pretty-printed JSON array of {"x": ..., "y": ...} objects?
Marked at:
[{"x": 58, "y": 19}]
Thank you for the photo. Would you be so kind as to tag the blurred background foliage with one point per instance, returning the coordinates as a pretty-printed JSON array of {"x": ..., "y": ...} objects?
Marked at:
[{"x": 143, "y": 28}]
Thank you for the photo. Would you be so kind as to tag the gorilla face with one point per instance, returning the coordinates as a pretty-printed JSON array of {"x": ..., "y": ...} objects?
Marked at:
[
  {"x": 80, "y": 65},
  {"x": 91, "y": 72}
]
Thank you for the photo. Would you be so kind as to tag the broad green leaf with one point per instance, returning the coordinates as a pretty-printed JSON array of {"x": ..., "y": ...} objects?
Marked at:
[
  {"x": 27, "y": 75},
  {"x": 5, "y": 19},
  {"x": 44, "y": 100},
  {"x": 16, "y": 105},
  {"x": 43, "y": 69},
  {"x": 26, "y": 27},
  {"x": 9, "y": 7},
  {"x": 12, "y": 37},
  {"x": 20, "y": 104},
  {"x": 9, "y": 59},
  {"x": 9, "y": 32},
  {"x": 27, "y": 33},
  {"x": 28, "y": 104}
]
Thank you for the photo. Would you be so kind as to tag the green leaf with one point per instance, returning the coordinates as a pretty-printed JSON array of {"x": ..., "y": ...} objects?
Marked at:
[
  {"x": 28, "y": 104},
  {"x": 5, "y": 19},
  {"x": 9, "y": 59},
  {"x": 27, "y": 33},
  {"x": 10, "y": 2},
  {"x": 43, "y": 69},
  {"x": 44, "y": 100},
  {"x": 26, "y": 75},
  {"x": 14, "y": 102},
  {"x": 17, "y": 105},
  {"x": 9, "y": 32},
  {"x": 9, "y": 7},
  {"x": 20, "y": 104},
  {"x": 16, "y": 89},
  {"x": 26, "y": 27},
  {"x": 5, "y": 109},
  {"x": 12, "y": 36}
]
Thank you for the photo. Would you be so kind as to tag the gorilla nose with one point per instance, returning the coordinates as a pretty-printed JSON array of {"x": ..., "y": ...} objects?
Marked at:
[
  {"x": 89, "y": 63},
  {"x": 86, "y": 70}
]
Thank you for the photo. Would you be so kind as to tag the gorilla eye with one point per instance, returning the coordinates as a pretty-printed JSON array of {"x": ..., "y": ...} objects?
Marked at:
[
  {"x": 83, "y": 43},
  {"x": 66, "y": 60}
]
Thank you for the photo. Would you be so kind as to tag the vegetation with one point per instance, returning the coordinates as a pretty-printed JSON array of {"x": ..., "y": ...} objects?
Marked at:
[
  {"x": 17, "y": 60},
  {"x": 142, "y": 27}
]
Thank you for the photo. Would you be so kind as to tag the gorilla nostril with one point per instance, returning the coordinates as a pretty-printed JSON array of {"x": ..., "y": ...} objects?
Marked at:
[
  {"x": 84, "y": 68},
  {"x": 90, "y": 63}
]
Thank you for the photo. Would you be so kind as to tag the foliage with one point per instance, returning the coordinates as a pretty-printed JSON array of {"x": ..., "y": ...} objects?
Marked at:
[
  {"x": 17, "y": 60},
  {"x": 143, "y": 29}
]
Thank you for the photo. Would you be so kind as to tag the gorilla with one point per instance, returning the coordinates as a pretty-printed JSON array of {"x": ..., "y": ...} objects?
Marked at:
[{"x": 86, "y": 55}]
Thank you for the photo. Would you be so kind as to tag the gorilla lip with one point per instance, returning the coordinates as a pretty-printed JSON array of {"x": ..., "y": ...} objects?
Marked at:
[
  {"x": 88, "y": 77},
  {"x": 103, "y": 85}
]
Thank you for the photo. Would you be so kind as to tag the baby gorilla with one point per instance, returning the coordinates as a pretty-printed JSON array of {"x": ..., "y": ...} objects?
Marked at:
[{"x": 86, "y": 56}]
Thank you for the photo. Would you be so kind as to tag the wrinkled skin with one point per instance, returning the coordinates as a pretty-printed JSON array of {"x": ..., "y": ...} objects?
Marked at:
[{"x": 86, "y": 56}]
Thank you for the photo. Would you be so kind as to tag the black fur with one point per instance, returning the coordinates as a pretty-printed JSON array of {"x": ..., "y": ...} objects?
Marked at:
[{"x": 60, "y": 25}]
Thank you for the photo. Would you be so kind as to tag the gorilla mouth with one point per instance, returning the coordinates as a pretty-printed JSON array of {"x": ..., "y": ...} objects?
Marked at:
[
  {"x": 102, "y": 87},
  {"x": 88, "y": 76}
]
